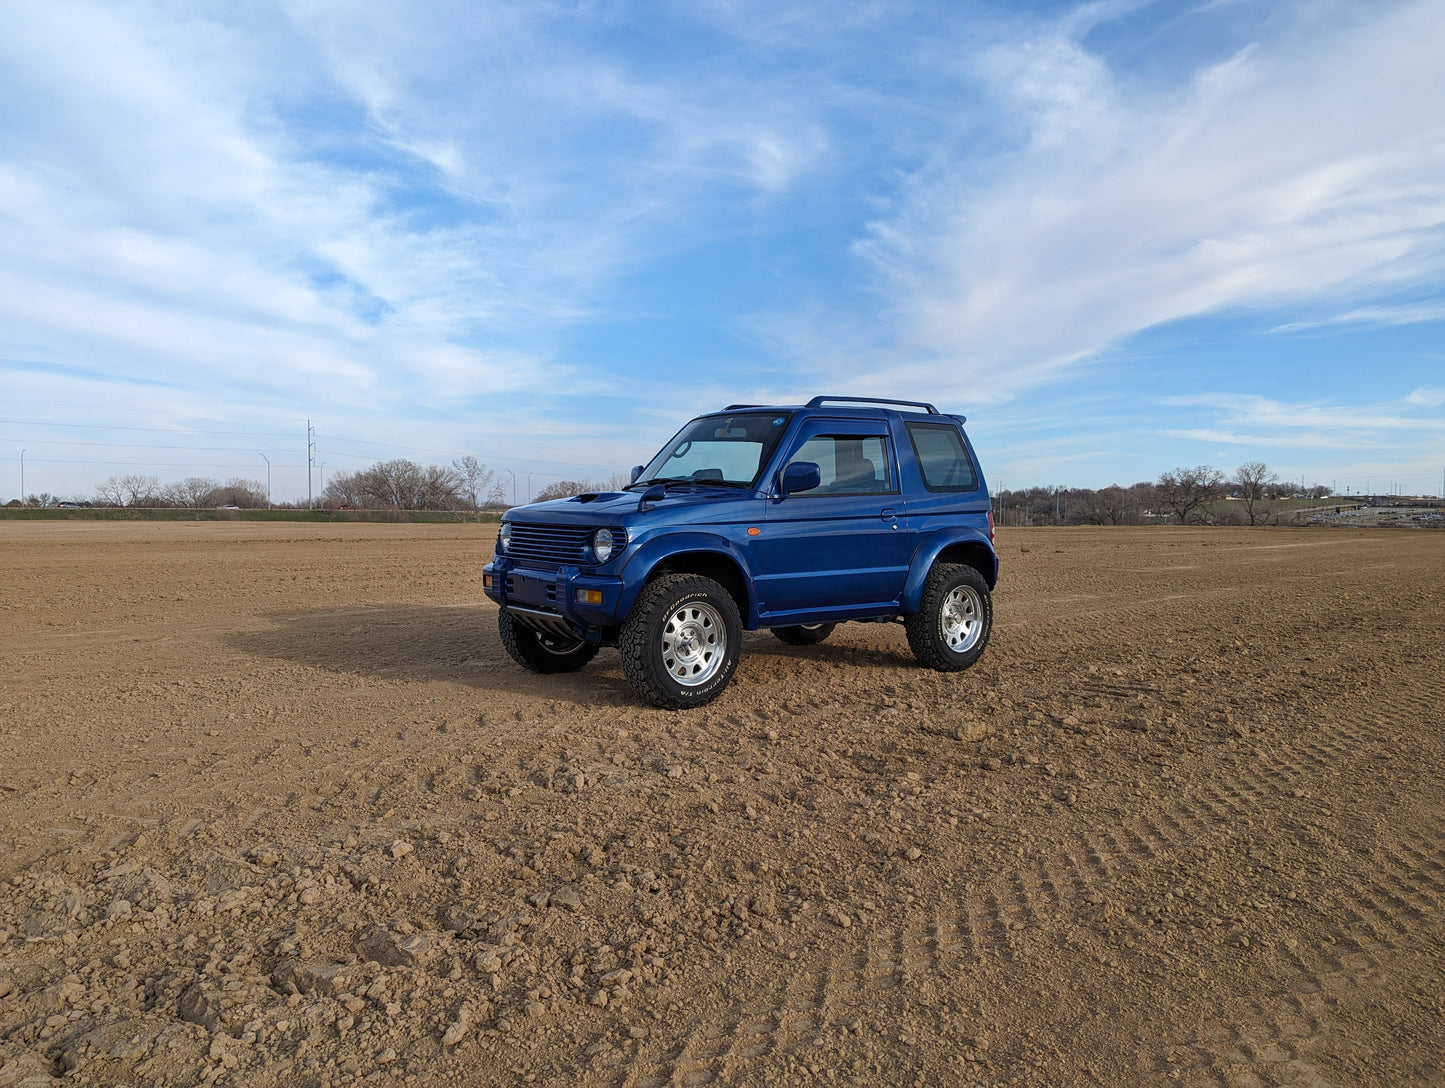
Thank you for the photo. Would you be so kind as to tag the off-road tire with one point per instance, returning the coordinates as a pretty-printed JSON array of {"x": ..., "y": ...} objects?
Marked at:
[
  {"x": 808, "y": 634},
  {"x": 537, "y": 652},
  {"x": 680, "y": 643},
  {"x": 955, "y": 616}
]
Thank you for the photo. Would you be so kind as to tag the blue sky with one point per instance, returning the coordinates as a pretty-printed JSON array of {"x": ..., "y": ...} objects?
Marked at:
[{"x": 1120, "y": 236}]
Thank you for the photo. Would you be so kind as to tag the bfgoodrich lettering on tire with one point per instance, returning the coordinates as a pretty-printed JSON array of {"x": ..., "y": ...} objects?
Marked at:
[
  {"x": 680, "y": 642},
  {"x": 951, "y": 627},
  {"x": 542, "y": 653}
]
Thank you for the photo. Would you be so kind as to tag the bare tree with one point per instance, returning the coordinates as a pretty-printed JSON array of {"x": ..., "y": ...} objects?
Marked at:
[
  {"x": 479, "y": 483},
  {"x": 344, "y": 489},
  {"x": 1110, "y": 505},
  {"x": 398, "y": 485},
  {"x": 141, "y": 490},
  {"x": 562, "y": 489},
  {"x": 1185, "y": 490},
  {"x": 110, "y": 493},
  {"x": 129, "y": 490},
  {"x": 1253, "y": 478},
  {"x": 247, "y": 494},
  {"x": 192, "y": 491}
]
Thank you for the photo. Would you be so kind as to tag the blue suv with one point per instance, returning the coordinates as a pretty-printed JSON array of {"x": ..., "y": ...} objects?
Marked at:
[{"x": 795, "y": 518}]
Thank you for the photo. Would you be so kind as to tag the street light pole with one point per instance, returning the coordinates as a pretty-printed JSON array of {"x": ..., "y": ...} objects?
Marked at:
[{"x": 268, "y": 478}]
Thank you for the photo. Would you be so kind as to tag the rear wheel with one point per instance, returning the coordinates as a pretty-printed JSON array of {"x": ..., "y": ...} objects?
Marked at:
[
  {"x": 540, "y": 652},
  {"x": 680, "y": 643},
  {"x": 808, "y": 634},
  {"x": 951, "y": 627}
]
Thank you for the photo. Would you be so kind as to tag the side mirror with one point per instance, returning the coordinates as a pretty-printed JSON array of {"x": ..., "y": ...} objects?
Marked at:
[
  {"x": 801, "y": 476},
  {"x": 655, "y": 493},
  {"x": 636, "y": 472}
]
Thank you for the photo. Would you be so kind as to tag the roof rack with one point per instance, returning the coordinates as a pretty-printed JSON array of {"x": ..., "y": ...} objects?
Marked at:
[{"x": 817, "y": 402}]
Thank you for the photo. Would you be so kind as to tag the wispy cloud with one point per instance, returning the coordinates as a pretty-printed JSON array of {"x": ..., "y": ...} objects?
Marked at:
[
  {"x": 1273, "y": 416},
  {"x": 1427, "y": 396},
  {"x": 1307, "y": 167},
  {"x": 1404, "y": 314},
  {"x": 1262, "y": 440}
]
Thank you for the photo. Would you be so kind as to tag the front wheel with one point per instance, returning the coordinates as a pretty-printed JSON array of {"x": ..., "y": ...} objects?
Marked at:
[
  {"x": 951, "y": 627},
  {"x": 542, "y": 653},
  {"x": 808, "y": 634},
  {"x": 680, "y": 643}
]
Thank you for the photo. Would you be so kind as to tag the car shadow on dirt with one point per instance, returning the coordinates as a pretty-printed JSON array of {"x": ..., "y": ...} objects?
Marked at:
[{"x": 459, "y": 644}]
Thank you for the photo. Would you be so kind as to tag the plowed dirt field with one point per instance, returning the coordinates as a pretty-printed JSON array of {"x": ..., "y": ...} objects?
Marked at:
[{"x": 277, "y": 810}]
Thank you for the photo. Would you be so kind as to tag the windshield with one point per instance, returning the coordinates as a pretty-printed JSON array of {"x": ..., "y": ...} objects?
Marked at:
[{"x": 724, "y": 450}]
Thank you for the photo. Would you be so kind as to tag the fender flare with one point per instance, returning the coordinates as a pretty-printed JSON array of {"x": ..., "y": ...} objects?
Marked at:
[
  {"x": 934, "y": 545},
  {"x": 637, "y": 570}
]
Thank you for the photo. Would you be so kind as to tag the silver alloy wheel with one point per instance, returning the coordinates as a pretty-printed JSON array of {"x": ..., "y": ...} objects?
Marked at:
[
  {"x": 693, "y": 643},
  {"x": 960, "y": 618}
]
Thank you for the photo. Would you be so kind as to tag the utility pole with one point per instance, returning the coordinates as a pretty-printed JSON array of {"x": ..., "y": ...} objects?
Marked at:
[
  {"x": 22, "y": 477},
  {"x": 310, "y": 459},
  {"x": 513, "y": 475},
  {"x": 268, "y": 478}
]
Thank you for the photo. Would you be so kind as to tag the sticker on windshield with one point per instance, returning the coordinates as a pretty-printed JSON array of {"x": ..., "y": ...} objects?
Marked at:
[{"x": 779, "y": 421}]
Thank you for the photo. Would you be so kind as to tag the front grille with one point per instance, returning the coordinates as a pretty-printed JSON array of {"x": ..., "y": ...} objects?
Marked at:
[{"x": 550, "y": 545}]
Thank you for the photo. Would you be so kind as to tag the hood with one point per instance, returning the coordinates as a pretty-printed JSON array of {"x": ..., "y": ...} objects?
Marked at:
[{"x": 610, "y": 507}]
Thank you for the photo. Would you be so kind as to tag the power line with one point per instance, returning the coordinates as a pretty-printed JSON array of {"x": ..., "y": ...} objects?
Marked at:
[
  {"x": 138, "y": 464},
  {"x": 153, "y": 430},
  {"x": 135, "y": 445}
]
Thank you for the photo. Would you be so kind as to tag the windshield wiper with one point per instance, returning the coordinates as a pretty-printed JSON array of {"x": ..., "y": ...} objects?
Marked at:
[{"x": 670, "y": 481}]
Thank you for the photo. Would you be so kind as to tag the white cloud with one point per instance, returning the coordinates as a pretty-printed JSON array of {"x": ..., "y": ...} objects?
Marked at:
[
  {"x": 1427, "y": 396},
  {"x": 1305, "y": 169},
  {"x": 1405, "y": 314},
  {"x": 1248, "y": 410},
  {"x": 1308, "y": 440}
]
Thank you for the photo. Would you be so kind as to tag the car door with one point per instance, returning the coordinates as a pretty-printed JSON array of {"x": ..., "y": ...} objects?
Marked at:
[{"x": 843, "y": 546}]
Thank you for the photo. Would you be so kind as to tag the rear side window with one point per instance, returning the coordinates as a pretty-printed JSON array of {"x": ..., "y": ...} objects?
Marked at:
[
  {"x": 849, "y": 464},
  {"x": 943, "y": 457}
]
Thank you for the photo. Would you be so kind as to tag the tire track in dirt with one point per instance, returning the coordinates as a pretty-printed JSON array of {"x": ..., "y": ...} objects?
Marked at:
[
  {"x": 1379, "y": 915},
  {"x": 1268, "y": 1042}
]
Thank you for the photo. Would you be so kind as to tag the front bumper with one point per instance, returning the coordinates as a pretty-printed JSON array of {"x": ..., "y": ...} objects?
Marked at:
[{"x": 560, "y": 602}]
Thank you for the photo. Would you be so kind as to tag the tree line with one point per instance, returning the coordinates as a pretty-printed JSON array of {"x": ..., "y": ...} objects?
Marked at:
[
  {"x": 1186, "y": 495},
  {"x": 134, "y": 489},
  {"x": 465, "y": 484}
]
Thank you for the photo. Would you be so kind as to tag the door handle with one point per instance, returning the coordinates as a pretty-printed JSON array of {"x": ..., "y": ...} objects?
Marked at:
[{"x": 889, "y": 514}]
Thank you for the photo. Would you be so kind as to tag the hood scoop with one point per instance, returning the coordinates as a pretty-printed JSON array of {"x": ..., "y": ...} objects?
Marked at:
[{"x": 596, "y": 496}]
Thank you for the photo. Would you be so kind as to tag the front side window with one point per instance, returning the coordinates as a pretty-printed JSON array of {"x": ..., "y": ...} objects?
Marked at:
[
  {"x": 942, "y": 457},
  {"x": 726, "y": 450},
  {"x": 849, "y": 464}
]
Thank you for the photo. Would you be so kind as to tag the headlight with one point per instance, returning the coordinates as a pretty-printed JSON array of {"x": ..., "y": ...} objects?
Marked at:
[
  {"x": 504, "y": 538},
  {"x": 606, "y": 543}
]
